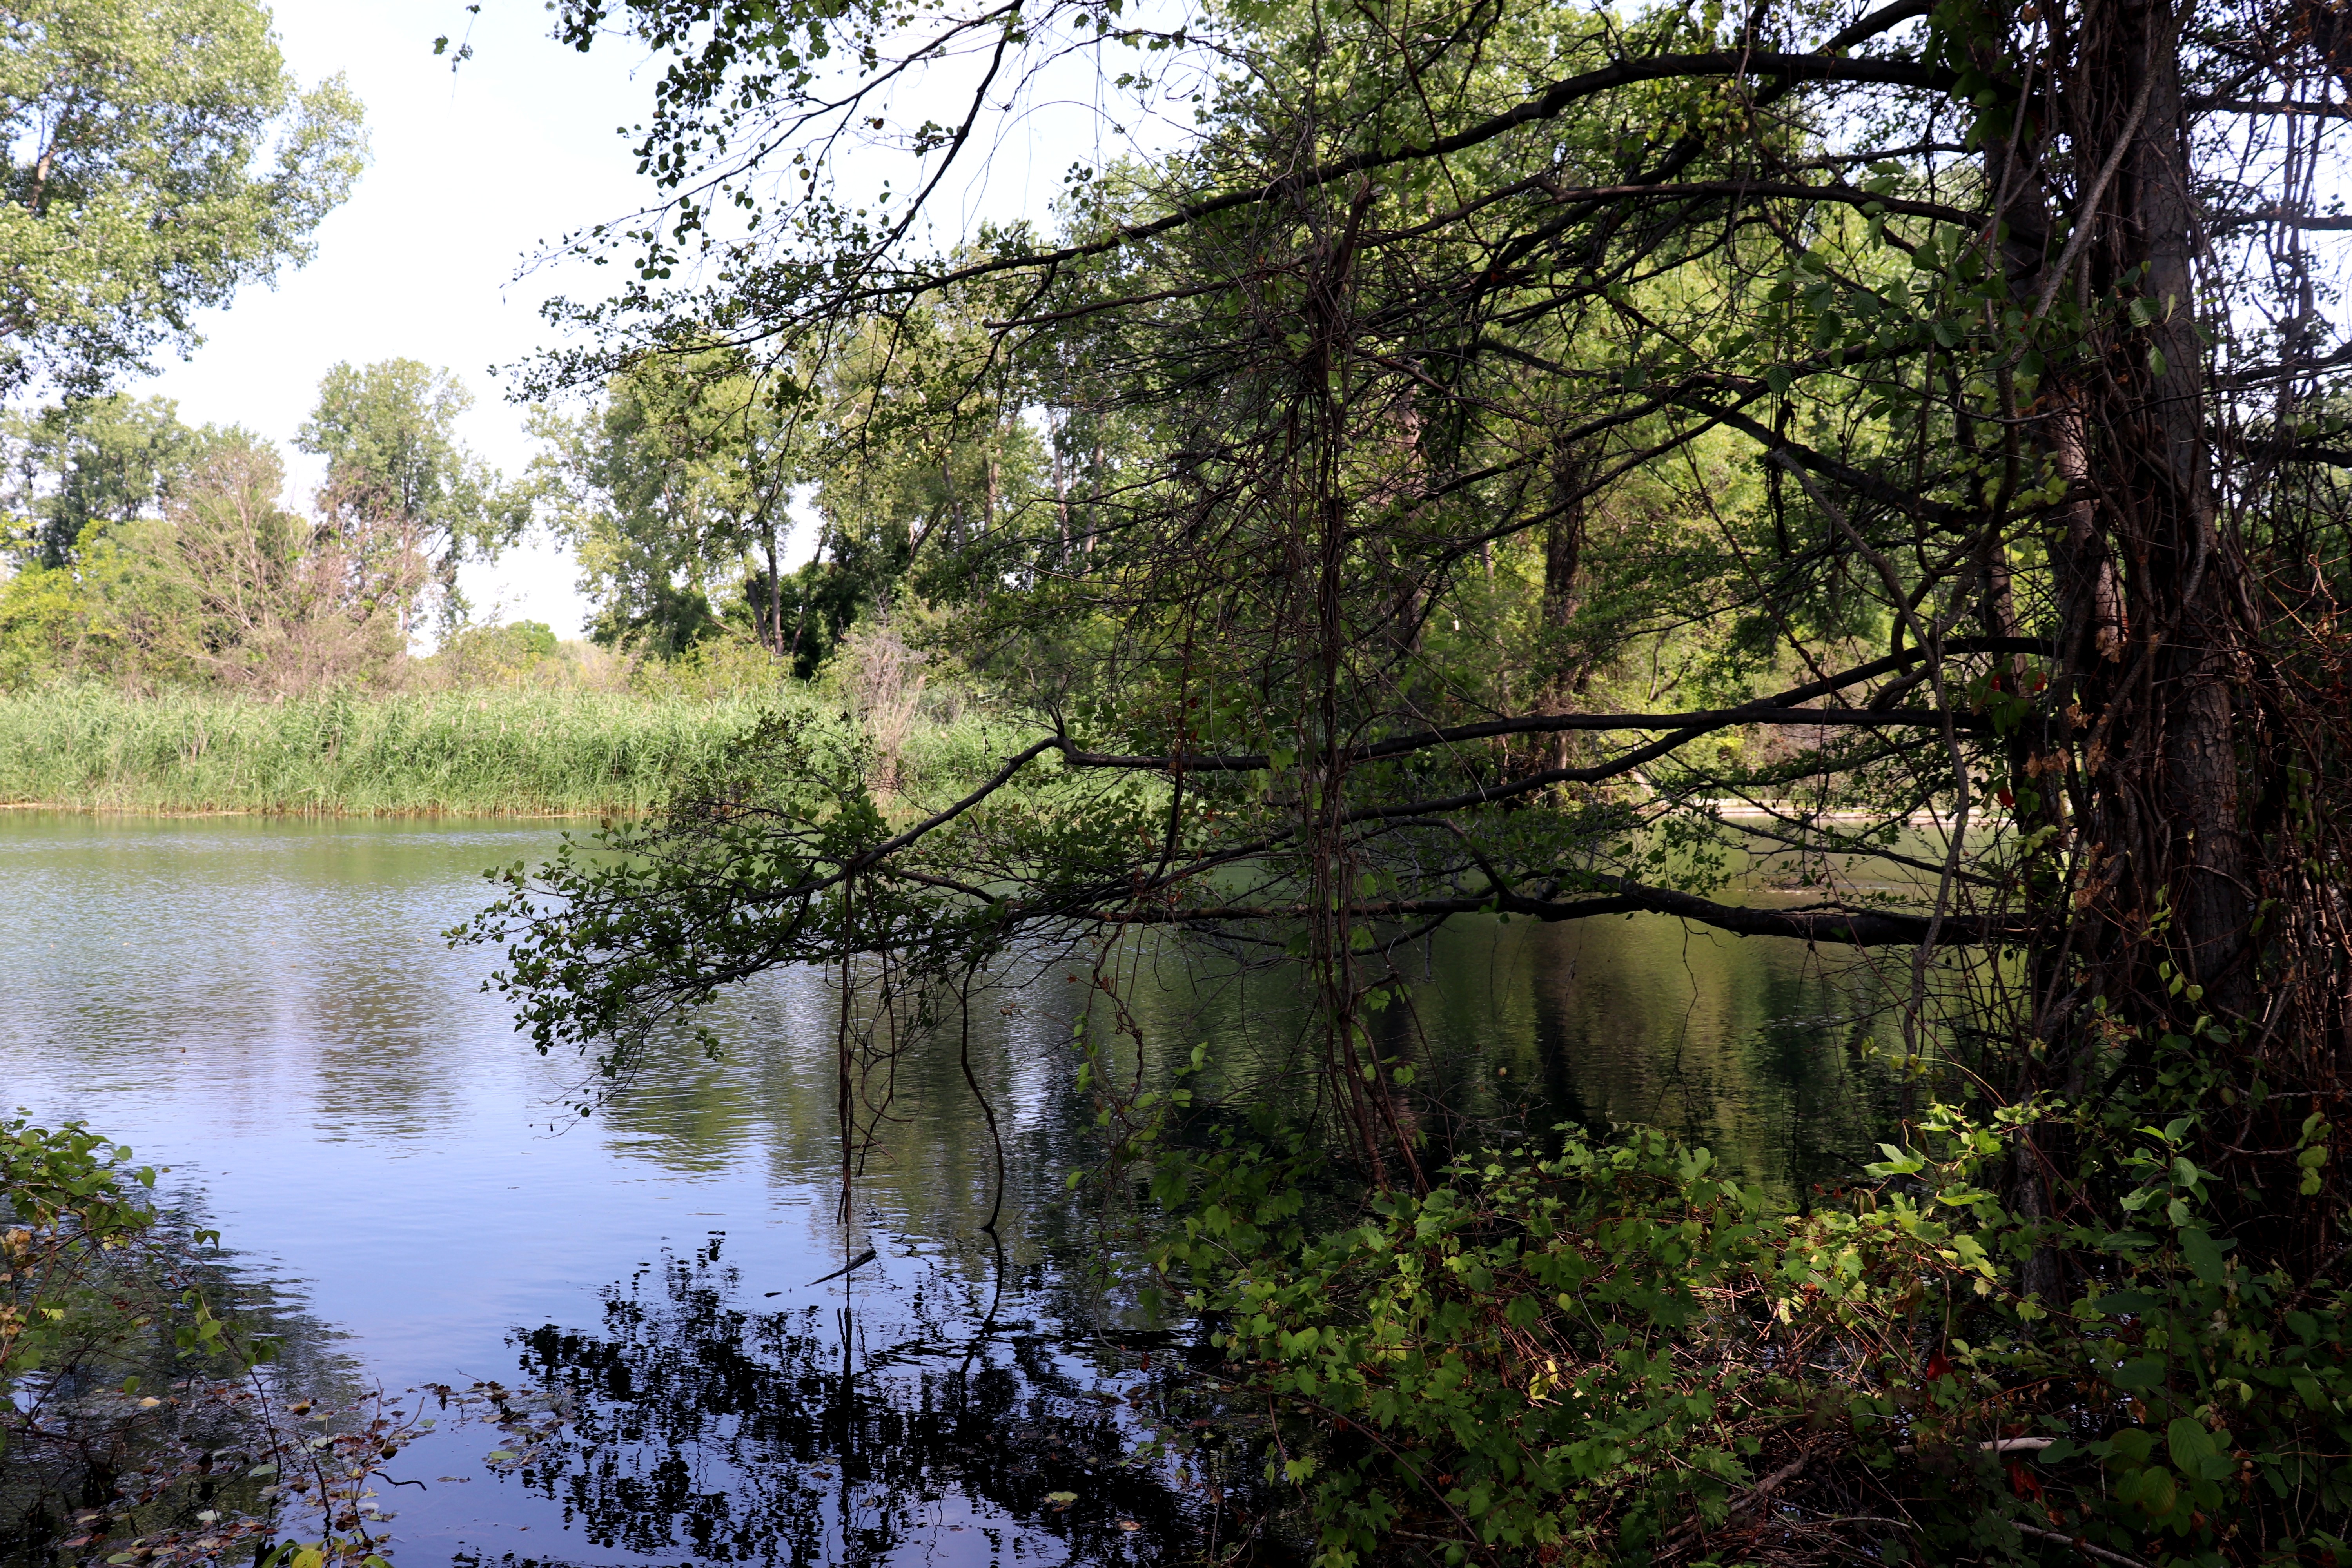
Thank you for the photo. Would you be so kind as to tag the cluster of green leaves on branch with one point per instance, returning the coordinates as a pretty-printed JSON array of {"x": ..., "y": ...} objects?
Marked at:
[
  {"x": 149, "y": 553},
  {"x": 1613, "y": 1355},
  {"x": 70, "y": 1194},
  {"x": 156, "y": 158}
]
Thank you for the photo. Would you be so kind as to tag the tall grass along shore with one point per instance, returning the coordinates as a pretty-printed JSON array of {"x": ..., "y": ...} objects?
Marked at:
[{"x": 498, "y": 751}]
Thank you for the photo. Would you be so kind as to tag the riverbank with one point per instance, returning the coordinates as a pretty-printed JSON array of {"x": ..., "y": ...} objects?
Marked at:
[{"x": 512, "y": 750}]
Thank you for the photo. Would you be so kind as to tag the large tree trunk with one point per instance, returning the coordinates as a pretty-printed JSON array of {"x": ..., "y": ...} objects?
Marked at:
[
  {"x": 2150, "y": 665},
  {"x": 2140, "y": 740}
]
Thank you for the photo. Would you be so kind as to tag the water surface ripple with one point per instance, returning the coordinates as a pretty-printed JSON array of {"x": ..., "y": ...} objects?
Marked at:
[{"x": 269, "y": 1008}]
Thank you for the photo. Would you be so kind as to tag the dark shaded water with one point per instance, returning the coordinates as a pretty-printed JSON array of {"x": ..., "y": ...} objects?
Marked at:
[{"x": 267, "y": 1009}]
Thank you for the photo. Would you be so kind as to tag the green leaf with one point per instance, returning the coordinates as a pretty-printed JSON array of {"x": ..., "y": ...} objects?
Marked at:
[
  {"x": 2189, "y": 1444},
  {"x": 2155, "y": 1491},
  {"x": 2204, "y": 1254}
]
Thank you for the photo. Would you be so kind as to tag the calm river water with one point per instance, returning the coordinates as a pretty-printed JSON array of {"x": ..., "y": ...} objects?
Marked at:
[{"x": 267, "y": 1009}]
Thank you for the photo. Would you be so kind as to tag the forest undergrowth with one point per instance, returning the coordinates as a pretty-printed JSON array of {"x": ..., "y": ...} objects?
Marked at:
[{"x": 1616, "y": 1352}]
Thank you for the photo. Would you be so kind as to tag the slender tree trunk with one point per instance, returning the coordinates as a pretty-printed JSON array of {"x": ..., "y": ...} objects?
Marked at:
[
  {"x": 1093, "y": 518},
  {"x": 775, "y": 589},
  {"x": 955, "y": 505},
  {"x": 1563, "y": 592},
  {"x": 1062, "y": 503},
  {"x": 800, "y": 624},
  {"x": 990, "y": 498}
]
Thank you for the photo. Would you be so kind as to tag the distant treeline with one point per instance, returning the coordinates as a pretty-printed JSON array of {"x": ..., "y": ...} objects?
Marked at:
[
  {"x": 149, "y": 554},
  {"x": 153, "y": 554}
]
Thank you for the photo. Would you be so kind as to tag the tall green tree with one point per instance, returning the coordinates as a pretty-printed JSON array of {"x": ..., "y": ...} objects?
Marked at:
[
  {"x": 920, "y": 478},
  {"x": 219, "y": 585},
  {"x": 674, "y": 490},
  {"x": 154, "y": 158},
  {"x": 231, "y": 588},
  {"x": 398, "y": 469},
  {"x": 102, "y": 459}
]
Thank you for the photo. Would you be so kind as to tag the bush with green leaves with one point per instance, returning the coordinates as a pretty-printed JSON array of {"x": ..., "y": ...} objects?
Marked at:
[
  {"x": 71, "y": 1195},
  {"x": 1612, "y": 1353}
]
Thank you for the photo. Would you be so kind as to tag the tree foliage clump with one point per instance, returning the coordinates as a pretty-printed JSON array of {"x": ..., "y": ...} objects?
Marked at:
[
  {"x": 680, "y": 487},
  {"x": 398, "y": 472},
  {"x": 150, "y": 554},
  {"x": 198, "y": 575},
  {"x": 156, "y": 159},
  {"x": 665, "y": 491}
]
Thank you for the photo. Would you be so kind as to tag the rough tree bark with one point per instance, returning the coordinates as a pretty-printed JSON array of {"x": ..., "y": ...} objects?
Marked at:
[{"x": 2148, "y": 646}]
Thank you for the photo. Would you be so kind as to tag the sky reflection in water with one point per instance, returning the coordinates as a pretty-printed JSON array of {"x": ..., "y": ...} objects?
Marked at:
[{"x": 269, "y": 1008}]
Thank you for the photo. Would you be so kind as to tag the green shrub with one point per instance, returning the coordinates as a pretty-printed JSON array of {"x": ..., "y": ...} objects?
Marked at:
[
  {"x": 1613, "y": 1355},
  {"x": 71, "y": 1197}
]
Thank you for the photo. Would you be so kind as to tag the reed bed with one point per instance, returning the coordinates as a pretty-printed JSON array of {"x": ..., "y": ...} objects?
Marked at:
[{"x": 502, "y": 751}]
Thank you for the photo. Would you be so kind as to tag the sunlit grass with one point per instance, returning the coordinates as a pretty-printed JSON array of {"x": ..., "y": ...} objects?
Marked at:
[{"x": 498, "y": 751}]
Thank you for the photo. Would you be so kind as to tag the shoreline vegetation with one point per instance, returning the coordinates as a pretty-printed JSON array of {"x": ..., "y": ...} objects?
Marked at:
[
  {"x": 572, "y": 732},
  {"x": 496, "y": 751}
]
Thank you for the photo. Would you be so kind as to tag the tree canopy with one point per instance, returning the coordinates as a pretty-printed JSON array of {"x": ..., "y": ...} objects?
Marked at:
[
  {"x": 157, "y": 158},
  {"x": 102, "y": 460},
  {"x": 684, "y": 470},
  {"x": 152, "y": 554},
  {"x": 398, "y": 465},
  {"x": 1881, "y": 354}
]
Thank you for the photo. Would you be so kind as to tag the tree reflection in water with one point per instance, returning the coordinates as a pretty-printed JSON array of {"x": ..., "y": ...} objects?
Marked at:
[{"x": 704, "y": 1431}]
